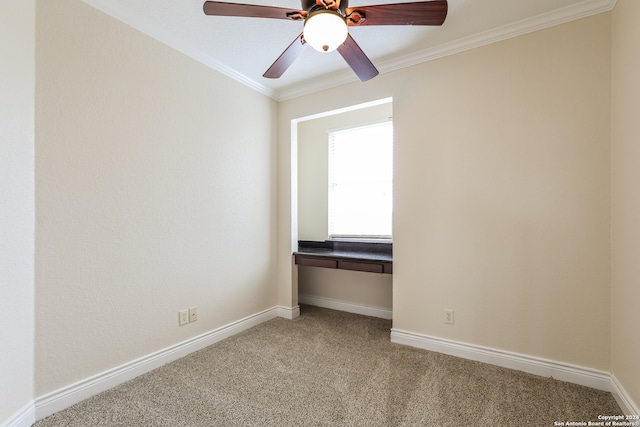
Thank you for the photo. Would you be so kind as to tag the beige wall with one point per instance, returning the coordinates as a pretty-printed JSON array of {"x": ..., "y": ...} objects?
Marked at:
[
  {"x": 148, "y": 196},
  {"x": 360, "y": 290},
  {"x": 155, "y": 192},
  {"x": 502, "y": 195},
  {"x": 501, "y": 191},
  {"x": 625, "y": 161},
  {"x": 17, "y": 86}
]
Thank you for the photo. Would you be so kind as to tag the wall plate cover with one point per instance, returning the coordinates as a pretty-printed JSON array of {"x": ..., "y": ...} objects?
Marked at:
[{"x": 183, "y": 317}]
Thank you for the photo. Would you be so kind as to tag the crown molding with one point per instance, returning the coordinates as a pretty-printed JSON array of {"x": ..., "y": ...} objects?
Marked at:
[
  {"x": 540, "y": 22},
  {"x": 317, "y": 84},
  {"x": 157, "y": 32},
  {"x": 546, "y": 20}
]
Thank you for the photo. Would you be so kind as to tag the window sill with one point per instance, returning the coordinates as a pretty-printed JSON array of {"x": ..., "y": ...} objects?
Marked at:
[{"x": 347, "y": 239}]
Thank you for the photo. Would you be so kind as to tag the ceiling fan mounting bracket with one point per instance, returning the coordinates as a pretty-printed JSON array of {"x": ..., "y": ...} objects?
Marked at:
[{"x": 329, "y": 4}]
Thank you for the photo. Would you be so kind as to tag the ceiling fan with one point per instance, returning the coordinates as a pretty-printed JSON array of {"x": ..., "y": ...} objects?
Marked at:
[{"x": 326, "y": 22}]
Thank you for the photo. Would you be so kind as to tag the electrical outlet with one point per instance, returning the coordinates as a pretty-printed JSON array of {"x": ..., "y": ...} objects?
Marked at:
[
  {"x": 183, "y": 317},
  {"x": 448, "y": 316},
  {"x": 193, "y": 314}
]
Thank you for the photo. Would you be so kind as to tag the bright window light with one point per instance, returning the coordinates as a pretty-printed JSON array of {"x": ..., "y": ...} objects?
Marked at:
[{"x": 361, "y": 182}]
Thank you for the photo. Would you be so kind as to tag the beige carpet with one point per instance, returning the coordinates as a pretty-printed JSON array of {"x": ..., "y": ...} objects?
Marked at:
[{"x": 331, "y": 368}]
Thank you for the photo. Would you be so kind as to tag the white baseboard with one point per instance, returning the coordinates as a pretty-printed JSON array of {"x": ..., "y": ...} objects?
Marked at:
[
  {"x": 622, "y": 398},
  {"x": 288, "y": 313},
  {"x": 581, "y": 375},
  {"x": 25, "y": 417},
  {"x": 350, "y": 307},
  {"x": 81, "y": 390},
  {"x": 74, "y": 393}
]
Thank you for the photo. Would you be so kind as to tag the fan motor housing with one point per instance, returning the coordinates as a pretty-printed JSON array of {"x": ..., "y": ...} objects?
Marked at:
[{"x": 312, "y": 5}]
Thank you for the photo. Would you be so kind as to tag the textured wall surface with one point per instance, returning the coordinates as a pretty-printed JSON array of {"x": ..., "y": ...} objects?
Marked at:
[
  {"x": 503, "y": 199},
  {"x": 157, "y": 178},
  {"x": 625, "y": 161},
  {"x": 501, "y": 191},
  {"x": 17, "y": 86},
  {"x": 155, "y": 192}
]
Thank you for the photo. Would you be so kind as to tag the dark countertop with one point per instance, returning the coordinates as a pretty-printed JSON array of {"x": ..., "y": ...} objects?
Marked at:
[{"x": 357, "y": 251}]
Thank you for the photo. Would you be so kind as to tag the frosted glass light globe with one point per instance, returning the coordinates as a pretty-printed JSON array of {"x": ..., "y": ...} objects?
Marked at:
[{"x": 325, "y": 30}]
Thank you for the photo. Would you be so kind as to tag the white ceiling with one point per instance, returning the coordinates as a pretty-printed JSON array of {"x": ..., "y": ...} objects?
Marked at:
[{"x": 243, "y": 48}]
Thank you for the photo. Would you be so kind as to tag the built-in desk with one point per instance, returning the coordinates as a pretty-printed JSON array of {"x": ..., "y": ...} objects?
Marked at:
[{"x": 358, "y": 256}]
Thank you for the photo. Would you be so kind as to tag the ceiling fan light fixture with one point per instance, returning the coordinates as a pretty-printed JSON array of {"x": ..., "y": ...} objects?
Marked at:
[{"x": 325, "y": 30}]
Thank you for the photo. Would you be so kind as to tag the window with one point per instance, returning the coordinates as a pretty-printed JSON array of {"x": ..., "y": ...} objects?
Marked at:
[{"x": 360, "y": 182}]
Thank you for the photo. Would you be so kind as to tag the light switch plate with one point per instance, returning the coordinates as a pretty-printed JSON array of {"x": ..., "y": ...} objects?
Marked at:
[{"x": 183, "y": 317}]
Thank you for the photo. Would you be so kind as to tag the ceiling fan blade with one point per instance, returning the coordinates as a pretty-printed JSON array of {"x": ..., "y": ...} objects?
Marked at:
[
  {"x": 285, "y": 59},
  {"x": 418, "y": 13},
  {"x": 251, "y": 10},
  {"x": 357, "y": 59}
]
